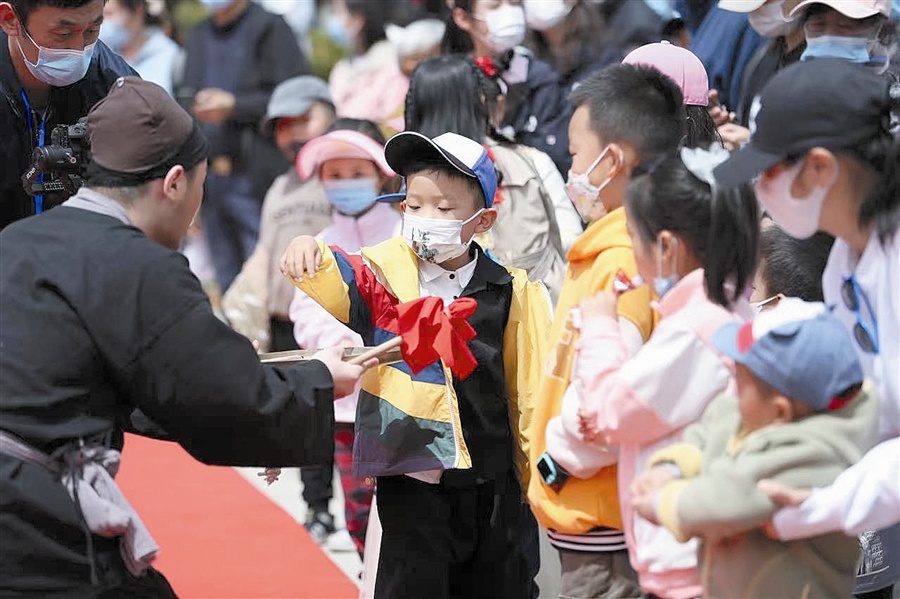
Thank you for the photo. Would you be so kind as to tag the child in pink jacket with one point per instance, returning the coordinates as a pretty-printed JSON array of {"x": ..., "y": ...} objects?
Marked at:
[
  {"x": 349, "y": 161},
  {"x": 697, "y": 247}
]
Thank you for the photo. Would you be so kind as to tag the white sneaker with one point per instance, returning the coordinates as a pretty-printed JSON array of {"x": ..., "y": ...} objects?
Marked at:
[{"x": 340, "y": 542}]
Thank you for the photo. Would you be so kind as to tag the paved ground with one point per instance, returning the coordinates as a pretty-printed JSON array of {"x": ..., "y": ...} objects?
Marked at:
[{"x": 286, "y": 493}]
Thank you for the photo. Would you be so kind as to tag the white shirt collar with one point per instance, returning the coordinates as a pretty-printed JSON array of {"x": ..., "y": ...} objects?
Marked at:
[{"x": 428, "y": 272}]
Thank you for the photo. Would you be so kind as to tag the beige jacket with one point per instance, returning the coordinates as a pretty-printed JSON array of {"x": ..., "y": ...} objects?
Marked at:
[
  {"x": 292, "y": 207},
  {"x": 718, "y": 501}
]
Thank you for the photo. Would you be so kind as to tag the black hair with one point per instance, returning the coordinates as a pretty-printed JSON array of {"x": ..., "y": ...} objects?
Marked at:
[
  {"x": 700, "y": 129},
  {"x": 882, "y": 207},
  {"x": 457, "y": 41},
  {"x": 155, "y": 14},
  {"x": 364, "y": 126},
  {"x": 24, "y": 8},
  {"x": 584, "y": 34},
  {"x": 429, "y": 164},
  {"x": 375, "y": 16},
  {"x": 635, "y": 104},
  {"x": 447, "y": 93},
  {"x": 793, "y": 267},
  {"x": 719, "y": 226}
]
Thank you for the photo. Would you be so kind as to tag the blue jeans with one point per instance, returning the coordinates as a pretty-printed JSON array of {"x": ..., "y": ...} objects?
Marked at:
[{"x": 230, "y": 216}]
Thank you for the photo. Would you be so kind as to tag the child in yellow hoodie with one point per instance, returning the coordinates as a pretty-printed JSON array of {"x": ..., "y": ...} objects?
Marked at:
[{"x": 626, "y": 119}]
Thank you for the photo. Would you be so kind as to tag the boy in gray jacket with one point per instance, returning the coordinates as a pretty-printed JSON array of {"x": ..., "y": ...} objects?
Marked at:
[{"x": 802, "y": 415}]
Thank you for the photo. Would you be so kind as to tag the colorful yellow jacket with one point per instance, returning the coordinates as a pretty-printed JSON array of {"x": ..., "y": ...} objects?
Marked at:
[
  {"x": 411, "y": 423},
  {"x": 594, "y": 259}
]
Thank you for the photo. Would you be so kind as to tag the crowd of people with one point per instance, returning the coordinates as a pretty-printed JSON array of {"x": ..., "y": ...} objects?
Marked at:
[{"x": 642, "y": 256}]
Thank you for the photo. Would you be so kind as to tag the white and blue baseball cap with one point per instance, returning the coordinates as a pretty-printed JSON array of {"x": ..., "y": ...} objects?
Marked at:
[
  {"x": 798, "y": 348},
  {"x": 465, "y": 155}
]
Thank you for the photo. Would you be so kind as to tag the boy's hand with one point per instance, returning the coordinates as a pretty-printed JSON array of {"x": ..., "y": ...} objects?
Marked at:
[
  {"x": 651, "y": 481},
  {"x": 302, "y": 257},
  {"x": 644, "y": 505},
  {"x": 602, "y": 304},
  {"x": 345, "y": 375},
  {"x": 782, "y": 495}
]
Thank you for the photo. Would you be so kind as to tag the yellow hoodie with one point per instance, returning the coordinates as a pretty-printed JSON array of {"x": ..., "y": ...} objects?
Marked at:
[{"x": 594, "y": 259}]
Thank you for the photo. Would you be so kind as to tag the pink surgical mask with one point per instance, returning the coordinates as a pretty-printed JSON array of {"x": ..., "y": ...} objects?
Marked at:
[
  {"x": 583, "y": 194},
  {"x": 799, "y": 217}
]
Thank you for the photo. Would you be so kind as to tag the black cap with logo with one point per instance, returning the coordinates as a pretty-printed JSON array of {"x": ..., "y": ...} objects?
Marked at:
[{"x": 824, "y": 102}]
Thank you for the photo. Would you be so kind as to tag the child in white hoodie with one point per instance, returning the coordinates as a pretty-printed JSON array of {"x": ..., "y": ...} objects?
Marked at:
[{"x": 350, "y": 163}]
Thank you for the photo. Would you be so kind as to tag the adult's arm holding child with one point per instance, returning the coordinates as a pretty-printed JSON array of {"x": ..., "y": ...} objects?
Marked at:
[{"x": 864, "y": 497}]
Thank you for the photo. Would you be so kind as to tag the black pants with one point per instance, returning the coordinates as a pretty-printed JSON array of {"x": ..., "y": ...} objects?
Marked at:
[
  {"x": 441, "y": 542},
  {"x": 317, "y": 480}
]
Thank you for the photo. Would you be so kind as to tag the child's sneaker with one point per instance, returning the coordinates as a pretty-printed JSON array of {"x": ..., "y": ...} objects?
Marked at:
[
  {"x": 319, "y": 525},
  {"x": 340, "y": 542}
]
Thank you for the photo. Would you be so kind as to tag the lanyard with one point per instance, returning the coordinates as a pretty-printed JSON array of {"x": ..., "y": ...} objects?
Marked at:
[{"x": 39, "y": 198}]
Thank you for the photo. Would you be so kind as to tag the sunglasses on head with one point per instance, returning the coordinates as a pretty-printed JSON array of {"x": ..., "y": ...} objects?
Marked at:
[{"x": 865, "y": 331}]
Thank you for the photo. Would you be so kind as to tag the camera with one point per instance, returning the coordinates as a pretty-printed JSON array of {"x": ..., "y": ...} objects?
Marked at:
[{"x": 62, "y": 163}]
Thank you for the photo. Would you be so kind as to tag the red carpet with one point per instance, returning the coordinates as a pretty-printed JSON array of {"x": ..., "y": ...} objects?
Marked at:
[{"x": 219, "y": 537}]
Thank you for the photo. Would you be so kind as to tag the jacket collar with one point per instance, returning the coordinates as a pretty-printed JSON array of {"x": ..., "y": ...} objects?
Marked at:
[
  {"x": 685, "y": 291},
  {"x": 488, "y": 272}
]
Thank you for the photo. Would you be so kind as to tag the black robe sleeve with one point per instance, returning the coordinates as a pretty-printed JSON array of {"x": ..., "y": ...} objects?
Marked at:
[{"x": 204, "y": 385}]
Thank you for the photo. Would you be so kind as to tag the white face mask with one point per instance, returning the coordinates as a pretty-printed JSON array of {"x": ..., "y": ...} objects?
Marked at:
[
  {"x": 799, "y": 217},
  {"x": 542, "y": 15},
  {"x": 506, "y": 28},
  {"x": 56, "y": 67},
  {"x": 435, "y": 239},
  {"x": 768, "y": 20},
  {"x": 582, "y": 193}
]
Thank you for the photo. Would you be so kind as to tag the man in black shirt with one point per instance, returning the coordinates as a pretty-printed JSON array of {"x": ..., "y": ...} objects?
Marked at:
[
  {"x": 101, "y": 316},
  {"x": 52, "y": 70}
]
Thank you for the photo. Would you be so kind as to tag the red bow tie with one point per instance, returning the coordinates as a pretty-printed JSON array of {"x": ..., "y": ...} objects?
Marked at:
[{"x": 430, "y": 333}]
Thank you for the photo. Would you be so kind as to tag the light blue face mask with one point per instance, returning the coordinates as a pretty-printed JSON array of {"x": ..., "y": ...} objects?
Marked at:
[
  {"x": 351, "y": 196},
  {"x": 662, "y": 284},
  {"x": 58, "y": 67},
  {"x": 853, "y": 49},
  {"x": 335, "y": 29},
  {"x": 114, "y": 35}
]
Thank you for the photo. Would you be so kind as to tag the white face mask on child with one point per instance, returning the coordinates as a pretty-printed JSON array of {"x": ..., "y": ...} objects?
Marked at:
[{"x": 435, "y": 239}]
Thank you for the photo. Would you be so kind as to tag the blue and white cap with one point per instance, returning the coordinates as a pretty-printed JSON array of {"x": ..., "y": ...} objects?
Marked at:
[
  {"x": 466, "y": 155},
  {"x": 800, "y": 349}
]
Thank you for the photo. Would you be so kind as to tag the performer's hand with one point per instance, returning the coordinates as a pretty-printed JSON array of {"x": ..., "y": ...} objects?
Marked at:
[
  {"x": 271, "y": 474},
  {"x": 345, "y": 375},
  {"x": 302, "y": 257}
]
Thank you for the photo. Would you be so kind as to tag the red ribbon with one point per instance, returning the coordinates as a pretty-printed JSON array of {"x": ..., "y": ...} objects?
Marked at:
[
  {"x": 486, "y": 65},
  {"x": 431, "y": 333}
]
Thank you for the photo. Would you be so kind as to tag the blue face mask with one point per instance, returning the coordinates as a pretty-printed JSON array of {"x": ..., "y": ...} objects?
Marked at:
[
  {"x": 58, "y": 67},
  {"x": 335, "y": 29},
  {"x": 853, "y": 49},
  {"x": 114, "y": 35},
  {"x": 662, "y": 284},
  {"x": 351, "y": 196}
]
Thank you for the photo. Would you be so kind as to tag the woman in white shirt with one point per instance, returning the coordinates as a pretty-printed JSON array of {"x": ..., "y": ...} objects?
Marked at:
[{"x": 827, "y": 161}]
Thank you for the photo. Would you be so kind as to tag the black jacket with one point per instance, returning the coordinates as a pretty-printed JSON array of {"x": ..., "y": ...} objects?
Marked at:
[
  {"x": 275, "y": 57},
  {"x": 67, "y": 105},
  {"x": 538, "y": 110},
  {"x": 96, "y": 320}
]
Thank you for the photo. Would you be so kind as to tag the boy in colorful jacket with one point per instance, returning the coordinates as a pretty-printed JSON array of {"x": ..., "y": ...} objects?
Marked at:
[
  {"x": 450, "y": 454},
  {"x": 626, "y": 118},
  {"x": 802, "y": 416}
]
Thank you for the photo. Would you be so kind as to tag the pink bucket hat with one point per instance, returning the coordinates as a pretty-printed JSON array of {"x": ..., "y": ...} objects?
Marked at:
[
  {"x": 680, "y": 65},
  {"x": 340, "y": 144}
]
